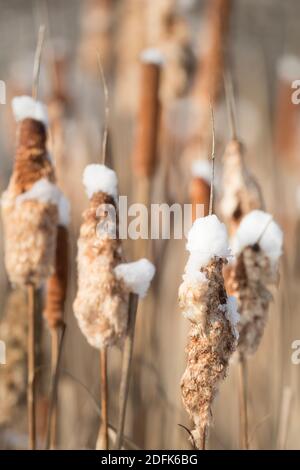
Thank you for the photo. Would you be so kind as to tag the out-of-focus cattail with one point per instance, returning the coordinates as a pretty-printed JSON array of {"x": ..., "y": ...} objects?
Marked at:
[
  {"x": 101, "y": 303},
  {"x": 13, "y": 381},
  {"x": 169, "y": 32},
  {"x": 131, "y": 40},
  {"x": 30, "y": 204},
  {"x": 58, "y": 282},
  {"x": 209, "y": 76},
  {"x": 258, "y": 246},
  {"x": 96, "y": 34},
  {"x": 285, "y": 133},
  {"x": 200, "y": 188},
  {"x": 146, "y": 142},
  {"x": 213, "y": 335},
  {"x": 240, "y": 191}
]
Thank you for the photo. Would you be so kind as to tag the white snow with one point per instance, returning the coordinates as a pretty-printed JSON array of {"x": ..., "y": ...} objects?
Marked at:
[
  {"x": 206, "y": 239},
  {"x": 99, "y": 178},
  {"x": 63, "y": 210},
  {"x": 202, "y": 169},
  {"x": 26, "y": 107},
  {"x": 42, "y": 191},
  {"x": 259, "y": 227},
  {"x": 288, "y": 67},
  {"x": 152, "y": 56},
  {"x": 232, "y": 314},
  {"x": 137, "y": 275}
]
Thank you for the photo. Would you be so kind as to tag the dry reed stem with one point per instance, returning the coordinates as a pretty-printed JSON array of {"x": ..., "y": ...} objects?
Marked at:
[
  {"x": 31, "y": 392},
  {"x": 243, "y": 403},
  {"x": 126, "y": 368},
  {"x": 146, "y": 142},
  {"x": 102, "y": 439},
  {"x": 54, "y": 384},
  {"x": 54, "y": 359}
]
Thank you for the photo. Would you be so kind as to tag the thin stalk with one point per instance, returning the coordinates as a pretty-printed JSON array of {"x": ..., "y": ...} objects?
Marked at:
[
  {"x": 243, "y": 403},
  {"x": 31, "y": 402},
  {"x": 126, "y": 367},
  {"x": 211, "y": 199},
  {"x": 54, "y": 359},
  {"x": 37, "y": 62},
  {"x": 203, "y": 439},
  {"x": 54, "y": 386},
  {"x": 102, "y": 439}
]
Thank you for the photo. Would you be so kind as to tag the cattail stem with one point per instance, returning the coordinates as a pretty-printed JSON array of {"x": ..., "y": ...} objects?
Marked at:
[
  {"x": 243, "y": 403},
  {"x": 126, "y": 366},
  {"x": 54, "y": 386},
  {"x": 31, "y": 368},
  {"x": 102, "y": 439},
  {"x": 203, "y": 439},
  {"x": 54, "y": 359}
]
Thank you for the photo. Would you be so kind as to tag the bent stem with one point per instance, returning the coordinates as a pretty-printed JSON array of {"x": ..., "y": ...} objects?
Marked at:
[
  {"x": 102, "y": 439},
  {"x": 31, "y": 402},
  {"x": 243, "y": 403},
  {"x": 126, "y": 366}
]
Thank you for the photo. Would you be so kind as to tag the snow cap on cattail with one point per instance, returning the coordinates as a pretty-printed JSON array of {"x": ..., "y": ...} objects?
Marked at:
[
  {"x": 136, "y": 276},
  {"x": 26, "y": 107},
  {"x": 258, "y": 227},
  {"x": 100, "y": 178}
]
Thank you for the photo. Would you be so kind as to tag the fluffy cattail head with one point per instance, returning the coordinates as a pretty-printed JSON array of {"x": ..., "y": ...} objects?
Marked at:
[
  {"x": 241, "y": 193},
  {"x": 101, "y": 303},
  {"x": 258, "y": 246},
  {"x": 213, "y": 335},
  {"x": 30, "y": 204}
]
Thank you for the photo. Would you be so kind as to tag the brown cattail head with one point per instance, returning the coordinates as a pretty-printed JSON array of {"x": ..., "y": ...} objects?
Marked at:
[
  {"x": 213, "y": 336},
  {"x": 258, "y": 246},
  {"x": 199, "y": 194},
  {"x": 247, "y": 283},
  {"x": 30, "y": 204},
  {"x": 241, "y": 193},
  {"x": 211, "y": 343},
  {"x": 101, "y": 304},
  {"x": 209, "y": 80},
  {"x": 32, "y": 162},
  {"x": 58, "y": 282},
  {"x": 146, "y": 142}
]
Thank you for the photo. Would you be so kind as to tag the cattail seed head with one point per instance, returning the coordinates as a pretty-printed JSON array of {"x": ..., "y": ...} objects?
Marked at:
[
  {"x": 213, "y": 334},
  {"x": 241, "y": 193},
  {"x": 101, "y": 304},
  {"x": 30, "y": 204}
]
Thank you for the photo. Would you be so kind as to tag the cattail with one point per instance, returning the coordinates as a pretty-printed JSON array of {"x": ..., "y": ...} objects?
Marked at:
[
  {"x": 58, "y": 282},
  {"x": 200, "y": 187},
  {"x": 131, "y": 40},
  {"x": 258, "y": 246},
  {"x": 285, "y": 132},
  {"x": 96, "y": 34},
  {"x": 101, "y": 303},
  {"x": 30, "y": 204},
  {"x": 241, "y": 193},
  {"x": 169, "y": 32},
  {"x": 209, "y": 76},
  {"x": 146, "y": 144},
  {"x": 213, "y": 315}
]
